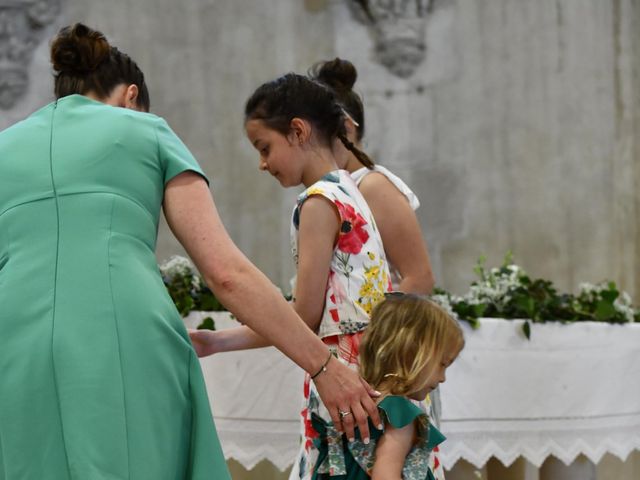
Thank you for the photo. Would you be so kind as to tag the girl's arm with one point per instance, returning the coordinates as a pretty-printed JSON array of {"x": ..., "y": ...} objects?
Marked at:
[
  {"x": 317, "y": 235},
  {"x": 206, "y": 342},
  {"x": 318, "y": 229},
  {"x": 391, "y": 451},
  {"x": 400, "y": 231},
  {"x": 248, "y": 294}
]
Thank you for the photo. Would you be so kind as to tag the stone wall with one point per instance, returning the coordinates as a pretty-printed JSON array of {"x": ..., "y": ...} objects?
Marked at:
[{"x": 516, "y": 126}]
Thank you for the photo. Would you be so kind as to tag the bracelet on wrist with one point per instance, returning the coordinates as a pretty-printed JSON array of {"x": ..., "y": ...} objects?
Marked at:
[{"x": 323, "y": 368}]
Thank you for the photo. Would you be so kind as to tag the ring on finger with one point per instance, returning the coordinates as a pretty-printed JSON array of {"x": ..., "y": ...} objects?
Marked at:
[{"x": 343, "y": 414}]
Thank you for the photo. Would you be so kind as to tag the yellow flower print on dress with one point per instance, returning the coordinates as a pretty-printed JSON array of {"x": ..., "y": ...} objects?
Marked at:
[
  {"x": 373, "y": 288},
  {"x": 315, "y": 191}
]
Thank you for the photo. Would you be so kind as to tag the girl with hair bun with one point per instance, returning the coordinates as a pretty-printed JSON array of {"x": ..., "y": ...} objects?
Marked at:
[
  {"x": 99, "y": 379},
  {"x": 294, "y": 124},
  {"x": 391, "y": 200},
  {"x": 392, "y": 203}
]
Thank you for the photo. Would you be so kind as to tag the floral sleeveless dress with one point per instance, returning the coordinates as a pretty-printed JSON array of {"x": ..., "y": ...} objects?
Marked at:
[{"x": 358, "y": 279}]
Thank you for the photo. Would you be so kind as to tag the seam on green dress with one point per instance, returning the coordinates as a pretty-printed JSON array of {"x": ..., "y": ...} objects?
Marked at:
[
  {"x": 92, "y": 192},
  {"x": 4, "y": 258},
  {"x": 55, "y": 289},
  {"x": 25, "y": 203},
  {"x": 115, "y": 323}
]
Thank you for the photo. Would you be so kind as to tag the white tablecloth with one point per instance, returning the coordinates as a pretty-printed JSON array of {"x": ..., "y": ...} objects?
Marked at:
[
  {"x": 571, "y": 389},
  {"x": 256, "y": 397}
]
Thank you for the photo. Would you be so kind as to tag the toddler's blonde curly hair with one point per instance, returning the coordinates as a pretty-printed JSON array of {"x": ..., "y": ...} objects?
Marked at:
[{"x": 406, "y": 333}]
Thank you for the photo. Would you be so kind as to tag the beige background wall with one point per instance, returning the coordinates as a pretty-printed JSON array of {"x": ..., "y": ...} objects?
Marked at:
[{"x": 518, "y": 131}]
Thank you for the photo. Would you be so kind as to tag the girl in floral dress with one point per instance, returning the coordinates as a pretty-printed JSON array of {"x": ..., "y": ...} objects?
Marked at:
[
  {"x": 294, "y": 123},
  {"x": 409, "y": 344}
]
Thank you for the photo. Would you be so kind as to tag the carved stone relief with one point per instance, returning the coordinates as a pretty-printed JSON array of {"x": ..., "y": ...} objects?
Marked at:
[
  {"x": 22, "y": 23},
  {"x": 399, "y": 30}
]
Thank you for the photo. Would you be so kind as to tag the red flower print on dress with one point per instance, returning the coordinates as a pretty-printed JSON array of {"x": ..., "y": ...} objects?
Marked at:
[
  {"x": 436, "y": 462},
  {"x": 309, "y": 432},
  {"x": 349, "y": 347},
  {"x": 352, "y": 234}
]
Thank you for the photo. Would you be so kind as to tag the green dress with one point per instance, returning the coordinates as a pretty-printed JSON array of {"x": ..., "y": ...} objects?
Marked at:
[
  {"x": 340, "y": 460},
  {"x": 98, "y": 379}
]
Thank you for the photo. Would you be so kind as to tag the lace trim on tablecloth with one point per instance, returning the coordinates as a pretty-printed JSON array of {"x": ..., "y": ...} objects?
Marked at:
[
  {"x": 535, "y": 447},
  {"x": 250, "y": 448}
]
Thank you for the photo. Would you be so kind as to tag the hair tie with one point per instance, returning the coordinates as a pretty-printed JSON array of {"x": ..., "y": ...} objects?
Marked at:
[{"x": 346, "y": 114}]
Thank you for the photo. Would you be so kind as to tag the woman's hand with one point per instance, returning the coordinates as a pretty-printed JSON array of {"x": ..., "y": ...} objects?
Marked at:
[
  {"x": 204, "y": 342},
  {"x": 343, "y": 390}
]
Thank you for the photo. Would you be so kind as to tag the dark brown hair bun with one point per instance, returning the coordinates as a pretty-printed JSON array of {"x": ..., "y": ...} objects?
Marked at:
[
  {"x": 78, "y": 49},
  {"x": 338, "y": 74}
]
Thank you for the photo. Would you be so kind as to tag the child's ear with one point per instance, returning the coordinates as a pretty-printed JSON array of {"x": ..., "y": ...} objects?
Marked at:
[{"x": 299, "y": 131}]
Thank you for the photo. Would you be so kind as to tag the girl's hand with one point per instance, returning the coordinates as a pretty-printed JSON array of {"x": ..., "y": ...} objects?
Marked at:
[
  {"x": 342, "y": 390},
  {"x": 204, "y": 342}
]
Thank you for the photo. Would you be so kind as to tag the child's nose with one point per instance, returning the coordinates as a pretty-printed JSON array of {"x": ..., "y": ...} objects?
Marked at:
[{"x": 262, "y": 165}]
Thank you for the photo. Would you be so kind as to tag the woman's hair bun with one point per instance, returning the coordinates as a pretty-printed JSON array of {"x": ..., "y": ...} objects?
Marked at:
[
  {"x": 79, "y": 50},
  {"x": 338, "y": 74}
]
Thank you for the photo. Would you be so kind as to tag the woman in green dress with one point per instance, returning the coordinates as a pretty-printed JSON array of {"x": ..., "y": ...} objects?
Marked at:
[{"x": 98, "y": 377}]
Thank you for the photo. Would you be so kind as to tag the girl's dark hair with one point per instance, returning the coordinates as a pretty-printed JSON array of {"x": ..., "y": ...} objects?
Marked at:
[
  {"x": 340, "y": 75},
  {"x": 277, "y": 102},
  {"x": 85, "y": 62}
]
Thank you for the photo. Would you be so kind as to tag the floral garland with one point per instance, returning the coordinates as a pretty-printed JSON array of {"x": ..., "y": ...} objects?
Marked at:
[
  {"x": 505, "y": 292},
  {"x": 508, "y": 292}
]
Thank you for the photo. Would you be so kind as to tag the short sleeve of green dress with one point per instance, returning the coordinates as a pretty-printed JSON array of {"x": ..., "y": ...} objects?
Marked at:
[
  {"x": 340, "y": 460},
  {"x": 99, "y": 379},
  {"x": 174, "y": 155}
]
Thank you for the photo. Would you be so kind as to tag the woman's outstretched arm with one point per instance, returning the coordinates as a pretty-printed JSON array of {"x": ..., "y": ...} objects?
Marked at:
[{"x": 248, "y": 294}]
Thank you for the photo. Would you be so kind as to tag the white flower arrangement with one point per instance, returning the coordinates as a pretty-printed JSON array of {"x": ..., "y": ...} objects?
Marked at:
[
  {"x": 186, "y": 288},
  {"x": 178, "y": 266},
  {"x": 504, "y": 292},
  {"x": 508, "y": 292}
]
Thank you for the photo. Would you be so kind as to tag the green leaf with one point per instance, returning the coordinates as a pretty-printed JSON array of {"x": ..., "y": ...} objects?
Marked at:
[
  {"x": 526, "y": 328},
  {"x": 526, "y": 305},
  {"x": 474, "y": 322},
  {"x": 207, "y": 324},
  {"x": 209, "y": 303},
  {"x": 611, "y": 294},
  {"x": 479, "y": 309},
  {"x": 604, "y": 310},
  {"x": 184, "y": 304},
  {"x": 479, "y": 268}
]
